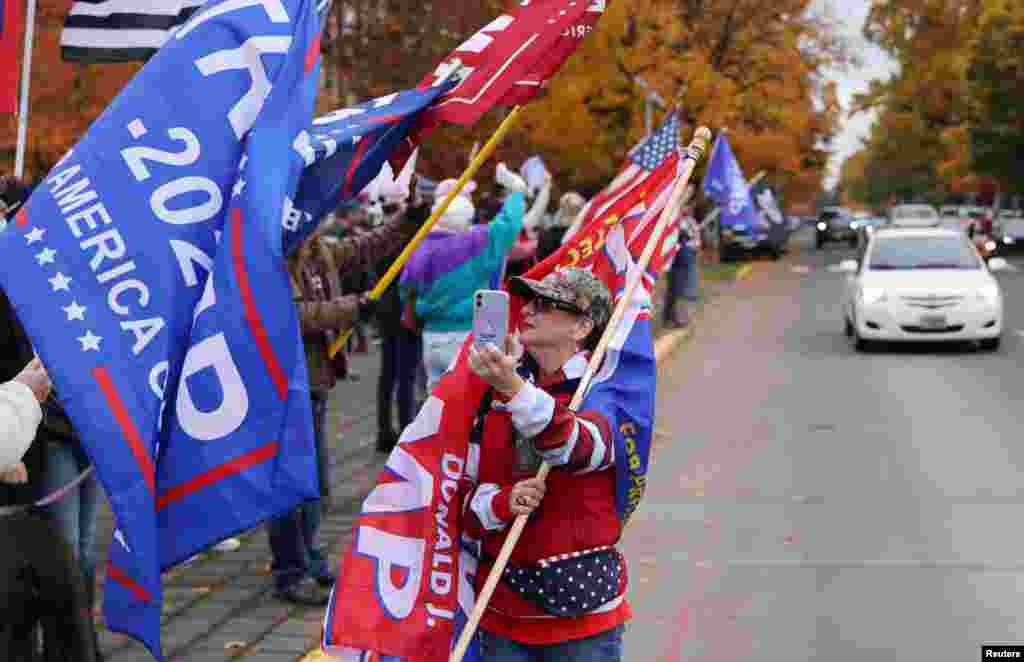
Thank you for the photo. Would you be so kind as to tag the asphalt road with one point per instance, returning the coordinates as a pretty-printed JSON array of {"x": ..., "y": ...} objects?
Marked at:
[{"x": 810, "y": 503}]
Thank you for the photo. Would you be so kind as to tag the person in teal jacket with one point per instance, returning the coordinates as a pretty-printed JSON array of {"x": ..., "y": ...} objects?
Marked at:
[{"x": 454, "y": 261}]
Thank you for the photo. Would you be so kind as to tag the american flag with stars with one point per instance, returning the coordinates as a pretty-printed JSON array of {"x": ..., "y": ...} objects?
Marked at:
[{"x": 643, "y": 161}]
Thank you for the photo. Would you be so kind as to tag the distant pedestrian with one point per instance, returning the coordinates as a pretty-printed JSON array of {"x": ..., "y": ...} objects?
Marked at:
[
  {"x": 300, "y": 571},
  {"x": 401, "y": 348},
  {"x": 682, "y": 291},
  {"x": 550, "y": 238}
]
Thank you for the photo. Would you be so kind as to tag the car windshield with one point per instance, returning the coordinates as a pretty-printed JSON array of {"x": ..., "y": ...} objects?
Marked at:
[{"x": 890, "y": 253}]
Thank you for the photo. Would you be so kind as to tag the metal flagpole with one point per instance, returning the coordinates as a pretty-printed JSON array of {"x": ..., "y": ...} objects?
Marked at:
[
  {"x": 26, "y": 75},
  {"x": 696, "y": 150}
]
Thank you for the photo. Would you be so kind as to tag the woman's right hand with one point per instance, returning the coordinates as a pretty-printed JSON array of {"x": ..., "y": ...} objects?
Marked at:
[{"x": 34, "y": 376}]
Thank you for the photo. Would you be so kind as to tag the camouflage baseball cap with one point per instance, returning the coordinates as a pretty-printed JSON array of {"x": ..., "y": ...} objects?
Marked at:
[{"x": 579, "y": 290}]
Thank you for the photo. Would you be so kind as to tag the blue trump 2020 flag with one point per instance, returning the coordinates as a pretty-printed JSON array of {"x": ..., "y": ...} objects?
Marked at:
[
  {"x": 345, "y": 150},
  {"x": 724, "y": 183},
  {"x": 149, "y": 270}
]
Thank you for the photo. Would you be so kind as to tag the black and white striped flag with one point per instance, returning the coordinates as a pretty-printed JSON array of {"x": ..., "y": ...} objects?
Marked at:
[{"x": 121, "y": 30}]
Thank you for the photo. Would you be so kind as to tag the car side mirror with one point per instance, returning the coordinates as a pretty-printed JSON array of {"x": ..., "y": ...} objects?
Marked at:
[
  {"x": 849, "y": 266},
  {"x": 998, "y": 264}
]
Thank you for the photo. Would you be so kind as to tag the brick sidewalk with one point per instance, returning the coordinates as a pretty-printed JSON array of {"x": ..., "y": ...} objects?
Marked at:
[{"x": 220, "y": 606}]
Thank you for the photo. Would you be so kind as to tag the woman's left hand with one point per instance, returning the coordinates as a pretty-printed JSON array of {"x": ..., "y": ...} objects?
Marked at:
[{"x": 496, "y": 368}]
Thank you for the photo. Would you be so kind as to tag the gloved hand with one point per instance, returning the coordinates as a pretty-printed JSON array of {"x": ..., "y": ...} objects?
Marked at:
[{"x": 512, "y": 182}]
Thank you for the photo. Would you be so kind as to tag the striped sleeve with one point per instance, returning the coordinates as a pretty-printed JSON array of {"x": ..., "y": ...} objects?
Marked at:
[
  {"x": 581, "y": 442},
  {"x": 489, "y": 510}
]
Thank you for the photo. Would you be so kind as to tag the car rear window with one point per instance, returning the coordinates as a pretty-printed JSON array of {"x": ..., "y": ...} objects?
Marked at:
[{"x": 889, "y": 253}]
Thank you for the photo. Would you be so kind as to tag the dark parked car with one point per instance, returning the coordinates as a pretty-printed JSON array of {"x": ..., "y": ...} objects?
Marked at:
[
  {"x": 835, "y": 224},
  {"x": 1009, "y": 235}
]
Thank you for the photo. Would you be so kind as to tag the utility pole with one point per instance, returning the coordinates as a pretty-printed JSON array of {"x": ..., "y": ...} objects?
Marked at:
[{"x": 652, "y": 98}]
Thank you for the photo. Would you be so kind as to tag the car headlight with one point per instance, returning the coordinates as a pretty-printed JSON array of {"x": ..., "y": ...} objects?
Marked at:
[
  {"x": 822, "y": 227},
  {"x": 990, "y": 245},
  {"x": 869, "y": 229},
  {"x": 872, "y": 296},
  {"x": 989, "y": 295},
  {"x": 854, "y": 226},
  {"x": 1007, "y": 240}
]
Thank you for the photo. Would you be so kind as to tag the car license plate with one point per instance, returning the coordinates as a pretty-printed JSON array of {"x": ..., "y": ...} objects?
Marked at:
[{"x": 933, "y": 322}]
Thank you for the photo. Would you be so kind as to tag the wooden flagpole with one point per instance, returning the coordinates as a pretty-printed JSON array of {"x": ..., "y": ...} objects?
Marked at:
[
  {"x": 695, "y": 151},
  {"x": 396, "y": 267}
]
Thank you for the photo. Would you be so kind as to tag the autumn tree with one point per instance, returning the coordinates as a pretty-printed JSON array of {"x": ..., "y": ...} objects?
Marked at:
[
  {"x": 946, "y": 120},
  {"x": 996, "y": 80},
  {"x": 65, "y": 97},
  {"x": 754, "y": 67}
]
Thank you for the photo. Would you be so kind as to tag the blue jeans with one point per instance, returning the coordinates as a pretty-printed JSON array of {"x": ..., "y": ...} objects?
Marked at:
[
  {"x": 74, "y": 516},
  {"x": 603, "y": 647},
  {"x": 293, "y": 535}
]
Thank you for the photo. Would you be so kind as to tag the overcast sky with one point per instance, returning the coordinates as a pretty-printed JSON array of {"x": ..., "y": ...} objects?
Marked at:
[{"x": 850, "y": 15}]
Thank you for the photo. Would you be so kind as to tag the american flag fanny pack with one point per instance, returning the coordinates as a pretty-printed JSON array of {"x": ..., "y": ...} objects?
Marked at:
[{"x": 570, "y": 585}]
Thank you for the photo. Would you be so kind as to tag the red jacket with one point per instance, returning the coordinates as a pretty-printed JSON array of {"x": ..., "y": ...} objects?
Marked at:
[{"x": 578, "y": 511}]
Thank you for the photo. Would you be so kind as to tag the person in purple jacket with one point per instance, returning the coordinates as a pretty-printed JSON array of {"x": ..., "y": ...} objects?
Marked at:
[{"x": 454, "y": 261}]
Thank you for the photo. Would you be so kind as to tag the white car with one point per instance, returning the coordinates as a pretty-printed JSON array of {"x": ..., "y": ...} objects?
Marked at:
[{"x": 922, "y": 284}]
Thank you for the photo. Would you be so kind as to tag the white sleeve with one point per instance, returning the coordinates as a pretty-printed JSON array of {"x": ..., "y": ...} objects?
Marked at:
[{"x": 20, "y": 415}]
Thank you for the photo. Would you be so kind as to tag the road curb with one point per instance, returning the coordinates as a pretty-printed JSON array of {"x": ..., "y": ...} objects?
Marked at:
[{"x": 743, "y": 272}]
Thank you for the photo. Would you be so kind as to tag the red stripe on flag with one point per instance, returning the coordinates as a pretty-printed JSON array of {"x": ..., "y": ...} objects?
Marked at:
[
  {"x": 354, "y": 165},
  {"x": 122, "y": 578},
  {"x": 313, "y": 54},
  {"x": 252, "y": 314},
  {"x": 21, "y": 218},
  {"x": 217, "y": 474},
  {"x": 127, "y": 425}
]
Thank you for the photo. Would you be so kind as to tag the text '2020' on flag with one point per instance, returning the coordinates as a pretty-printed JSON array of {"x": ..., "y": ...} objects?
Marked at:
[
  {"x": 509, "y": 59},
  {"x": 408, "y": 579},
  {"x": 725, "y": 184},
  {"x": 122, "y": 30},
  {"x": 148, "y": 268}
]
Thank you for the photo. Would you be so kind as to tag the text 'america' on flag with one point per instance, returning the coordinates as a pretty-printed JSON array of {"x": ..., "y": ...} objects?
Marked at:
[
  {"x": 643, "y": 161},
  {"x": 725, "y": 184},
  {"x": 509, "y": 60},
  {"x": 150, "y": 276},
  {"x": 121, "y": 30}
]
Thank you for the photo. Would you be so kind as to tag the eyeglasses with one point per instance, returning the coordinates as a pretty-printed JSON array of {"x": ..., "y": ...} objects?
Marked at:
[{"x": 542, "y": 305}]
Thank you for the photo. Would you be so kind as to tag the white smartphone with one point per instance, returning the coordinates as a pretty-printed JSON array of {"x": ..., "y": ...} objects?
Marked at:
[{"x": 490, "y": 318}]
